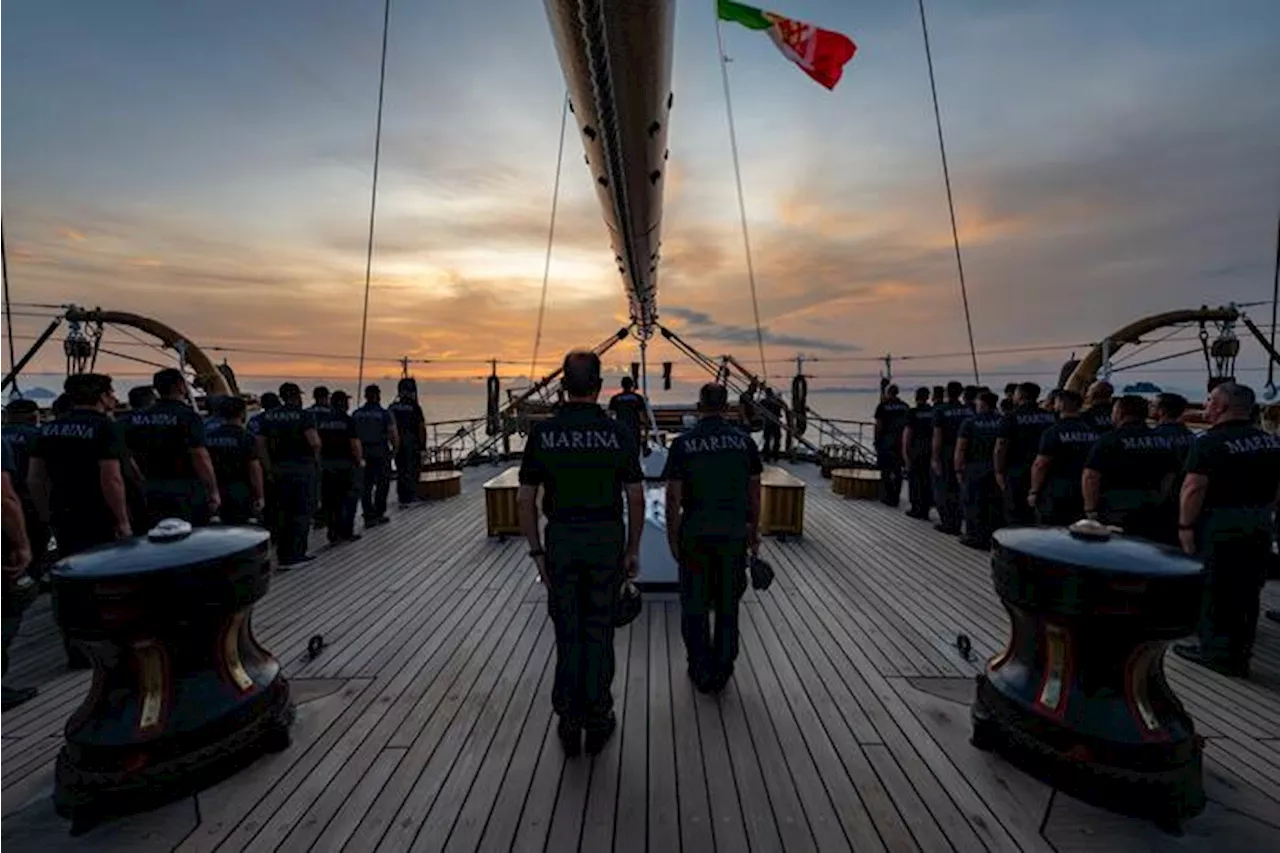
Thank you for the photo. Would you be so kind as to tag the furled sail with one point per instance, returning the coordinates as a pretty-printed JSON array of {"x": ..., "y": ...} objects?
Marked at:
[{"x": 616, "y": 58}]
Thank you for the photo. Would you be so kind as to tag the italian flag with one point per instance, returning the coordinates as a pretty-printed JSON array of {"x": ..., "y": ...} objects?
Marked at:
[{"x": 820, "y": 53}]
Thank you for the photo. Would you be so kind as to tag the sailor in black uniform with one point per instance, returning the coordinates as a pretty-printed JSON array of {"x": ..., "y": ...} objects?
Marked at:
[
  {"x": 341, "y": 459},
  {"x": 891, "y": 421},
  {"x": 1168, "y": 416},
  {"x": 17, "y": 562},
  {"x": 236, "y": 464},
  {"x": 319, "y": 408},
  {"x": 1227, "y": 501},
  {"x": 969, "y": 398},
  {"x": 975, "y": 460},
  {"x": 1016, "y": 451},
  {"x": 1057, "y": 472},
  {"x": 946, "y": 487},
  {"x": 713, "y": 515},
  {"x": 141, "y": 398},
  {"x": 167, "y": 441},
  {"x": 938, "y": 396},
  {"x": 1097, "y": 413},
  {"x": 1128, "y": 473},
  {"x": 628, "y": 408},
  {"x": 379, "y": 443},
  {"x": 772, "y": 405},
  {"x": 289, "y": 445},
  {"x": 583, "y": 461},
  {"x": 19, "y": 435},
  {"x": 917, "y": 451},
  {"x": 1007, "y": 401},
  {"x": 411, "y": 425}
]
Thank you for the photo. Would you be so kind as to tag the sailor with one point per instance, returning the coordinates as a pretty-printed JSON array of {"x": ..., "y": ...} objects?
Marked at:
[
  {"x": 17, "y": 559},
  {"x": 946, "y": 487},
  {"x": 1168, "y": 417},
  {"x": 141, "y": 398},
  {"x": 1128, "y": 473},
  {"x": 584, "y": 462},
  {"x": 1228, "y": 496},
  {"x": 167, "y": 441},
  {"x": 411, "y": 425},
  {"x": 236, "y": 464},
  {"x": 1010, "y": 389},
  {"x": 289, "y": 447},
  {"x": 1016, "y": 451},
  {"x": 713, "y": 515},
  {"x": 1056, "y": 475},
  {"x": 268, "y": 401},
  {"x": 891, "y": 421},
  {"x": 341, "y": 460},
  {"x": 18, "y": 435},
  {"x": 319, "y": 408},
  {"x": 938, "y": 396},
  {"x": 1098, "y": 405},
  {"x": 628, "y": 408},
  {"x": 379, "y": 443},
  {"x": 917, "y": 451},
  {"x": 975, "y": 460},
  {"x": 969, "y": 398},
  {"x": 1050, "y": 403},
  {"x": 775, "y": 412}
]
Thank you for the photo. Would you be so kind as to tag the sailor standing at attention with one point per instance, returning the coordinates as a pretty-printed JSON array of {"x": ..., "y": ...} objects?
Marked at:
[
  {"x": 713, "y": 517},
  {"x": 1057, "y": 473},
  {"x": 289, "y": 444},
  {"x": 891, "y": 421},
  {"x": 1228, "y": 496},
  {"x": 917, "y": 450},
  {"x": 319, "y": 408},
  {"x": 341, "y": 460},
  {"x": 1128, "y": 473},
  {"x": 629, "y": 409},
  {"x": 975, "y": 460},
  {"x": 1097, "y": 413},
  {"x": 236, "y": 463},
  {"x": 583, "y": 461},
  {"x": 411, "y": 425},
  {"x": 379, "y": 443},
  {"x": 1016, "y": 451},
  {"x": 946, "y": 488}
]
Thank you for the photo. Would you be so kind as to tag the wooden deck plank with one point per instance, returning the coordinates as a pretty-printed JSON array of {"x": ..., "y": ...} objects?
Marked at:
[
  {"x": 664, "y": 811},
  {"x": 602, "y": 799},
  {"x": 696, "y": 830},
  {"x": 539, "y": 804},
  {"x": 631, "y": 819}
]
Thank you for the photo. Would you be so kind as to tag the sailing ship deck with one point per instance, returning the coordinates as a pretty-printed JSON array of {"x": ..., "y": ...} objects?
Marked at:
[{"x": 425, "y": 723}]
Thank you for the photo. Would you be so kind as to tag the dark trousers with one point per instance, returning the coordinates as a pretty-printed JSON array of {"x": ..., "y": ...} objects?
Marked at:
[
  {"x": 713, "y": 576},
  {"x": 1061, "y": 505},
  {"x": 184, "y": 499},
  {"x": 1016, "y": 486},
  {"x": 75, "y": 535},
  {"x": 374, "y": 488},
  {"x": 339, "y": 494},
  {"x": 1235, "y": 565},
  {"x": 584, "y": 562},
  {"x": 889, "y": 461},
  {"x": 237, "y": 503},
  {"x": 295, "y": 496},
  {"x": 1139, "y": 513},
  {"x": 408, "y": 468},
  {"x": 920, "y": 485},
  {"x": 946, "y": 496},
  {"x": 772, "y": 441},
  {"x": 982, "y": 509}
]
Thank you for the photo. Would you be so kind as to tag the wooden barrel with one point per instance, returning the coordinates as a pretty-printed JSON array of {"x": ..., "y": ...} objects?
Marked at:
[
  {"x": 859, "y": 483},
  {"x": 437, "y": 485}
]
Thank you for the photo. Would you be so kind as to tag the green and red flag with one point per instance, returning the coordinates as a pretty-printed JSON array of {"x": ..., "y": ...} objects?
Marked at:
[{"x": 820, "y": 53}]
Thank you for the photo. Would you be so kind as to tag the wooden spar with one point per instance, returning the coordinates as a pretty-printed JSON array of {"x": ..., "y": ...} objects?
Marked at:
[
  {"x": 208, "y": 377},
  {"x": 1087, "y": 370}
]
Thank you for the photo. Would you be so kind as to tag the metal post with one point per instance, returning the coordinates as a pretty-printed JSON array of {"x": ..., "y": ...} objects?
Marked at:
[{"x": 1106, "y": 360}]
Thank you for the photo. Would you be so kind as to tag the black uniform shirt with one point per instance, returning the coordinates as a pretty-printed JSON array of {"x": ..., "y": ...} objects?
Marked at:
[
  {"x": 582, "y": 458},
  {"x": 921, "y": 420},
  {"x": 1022, "y": 429},
  {"x": 949, "y": 416},
  {"x": 7, "y": 462},
  {"x": 981, "y": 431},
  {"x": 893, "y": 415},
  {"x": 336, "y": 430},
  {"x": 409, "y": 417},
  {"x": 71, "y": 447},
  {"x": 232, "y": 448},
  {"x": 1098, "y": 417},
  {"x": 161, "y": 439},
  {"x": 1067, "y": 444},
  {"x": 628, "y": 408},
  {"x": 1133, "y": 457},
  {"x": 18, "y": 439},
  {"x": 1242, "y": 463},
  {"x": 285, "y": 431},
  {"x": 373, "y": 427},
  {"x": 713, "y": 461},
  {"x": 1180, "y": 439}
]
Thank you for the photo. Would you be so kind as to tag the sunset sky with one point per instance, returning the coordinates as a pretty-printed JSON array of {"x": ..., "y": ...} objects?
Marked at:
[{"x": 209, "y": 164}]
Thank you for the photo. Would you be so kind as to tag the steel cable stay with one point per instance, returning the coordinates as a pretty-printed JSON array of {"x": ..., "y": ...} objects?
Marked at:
[{"x": 551, "y": 235}]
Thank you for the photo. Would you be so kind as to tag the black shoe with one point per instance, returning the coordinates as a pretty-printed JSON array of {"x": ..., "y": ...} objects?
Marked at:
[
  {"x": 13, "y": 697},
  {"x": 918, "y": 516},
  {"x": 1195, "y": 654},
  {"x": 300, "y": 561},
  {"x": 597, "y": 737},
  {"x": 701, "y": 678},
  {"x": 976, "y": 544},
  {"x": 1273, "y": 615},
  {"x": 942, "y": 528},
  {"x": 350, "y": 537},
  {"x": 570, "y": 734}
]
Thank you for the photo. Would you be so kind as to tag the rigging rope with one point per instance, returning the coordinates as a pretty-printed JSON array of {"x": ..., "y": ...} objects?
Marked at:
[
  {"x": 742, "y": 205},
  {"x": 8, "y": 306},
  {"x": 946, "y": 178},
  {"x": 1275, "y": 296},
  {"x": 551, "y": 235},
  {"x": 373, "y": 193}
]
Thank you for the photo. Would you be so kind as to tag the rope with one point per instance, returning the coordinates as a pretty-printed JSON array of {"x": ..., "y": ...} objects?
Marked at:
[
  {"x": 742, "y": 205},
  {"x": 8, "y": 306},
  {"x": 551, "y": 235},
  {"x": 946, "y": 178},
  {"x": 373, "y": 193},
  {"x": 1275, "y": 297}
]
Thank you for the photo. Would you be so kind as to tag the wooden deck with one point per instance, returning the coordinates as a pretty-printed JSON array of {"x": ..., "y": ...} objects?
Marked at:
[{"x": 426, "y": 723}]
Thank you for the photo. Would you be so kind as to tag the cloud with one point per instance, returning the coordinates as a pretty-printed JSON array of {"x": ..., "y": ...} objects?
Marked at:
[{"x": 700, "y": 326}]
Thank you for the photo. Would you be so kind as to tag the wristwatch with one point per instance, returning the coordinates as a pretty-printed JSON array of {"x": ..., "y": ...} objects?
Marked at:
[{"x": 535, "y": 553}]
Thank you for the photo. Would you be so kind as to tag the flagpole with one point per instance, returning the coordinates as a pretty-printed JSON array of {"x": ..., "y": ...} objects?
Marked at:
[
  {"x": 946, "y": 179},
  {"x": 742, "y": 205}
]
